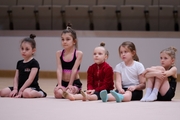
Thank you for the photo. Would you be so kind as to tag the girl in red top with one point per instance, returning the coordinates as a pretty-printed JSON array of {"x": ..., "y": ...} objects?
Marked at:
[{"x": 99, "y": 77}]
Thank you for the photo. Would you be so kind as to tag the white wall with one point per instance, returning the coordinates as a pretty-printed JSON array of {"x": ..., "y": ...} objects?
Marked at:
[{"x": 148, "y": 49}]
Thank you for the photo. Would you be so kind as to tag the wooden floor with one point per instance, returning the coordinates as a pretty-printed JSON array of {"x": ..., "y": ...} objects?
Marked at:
[{"x": 48, "y": 85}]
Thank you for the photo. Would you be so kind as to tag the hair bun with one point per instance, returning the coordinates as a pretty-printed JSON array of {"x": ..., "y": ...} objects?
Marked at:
[
  {"x": 32, "y": 36},
  {"x": 173, "y": 48},
  {"x": 69, "y": 25},
  {"x": 102, "y": 44}
]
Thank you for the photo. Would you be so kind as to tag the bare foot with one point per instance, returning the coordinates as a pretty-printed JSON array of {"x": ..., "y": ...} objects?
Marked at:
[
  {"x": 84, "y": 95},
  {"x": 69, "y": 96},
  {"x": 64, "y": 94}
]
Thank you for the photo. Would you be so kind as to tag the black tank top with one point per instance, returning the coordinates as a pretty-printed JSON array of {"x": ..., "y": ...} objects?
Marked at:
[
  {"x": 68, "y": 65},
  {"x": 172, "y": 81},
  {"x": 171, "y": 78}
]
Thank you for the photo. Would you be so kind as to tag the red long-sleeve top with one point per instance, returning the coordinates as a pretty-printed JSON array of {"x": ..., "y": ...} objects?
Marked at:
[{"x": 100, "y": 77}]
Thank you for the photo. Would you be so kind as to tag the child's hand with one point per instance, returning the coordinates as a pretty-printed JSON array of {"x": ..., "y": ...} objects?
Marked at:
[
  {"x": 70, "y": 87},
  {"x": 19, "y": 94},
  {"x": 90, "y": 92},
  {"x": 13, "y": 93},
  {"x": 61, "y": 87},
  {"x": 121, "y": 91},
  {"x": 164, "y": 74},
  {"x": 161, "y": 75},
  {"x": 72, "y": 90},
  {"x": 131, "y": 88}
]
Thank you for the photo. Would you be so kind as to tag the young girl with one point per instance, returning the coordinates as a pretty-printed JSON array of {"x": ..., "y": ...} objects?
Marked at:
[
  {"x": 99, "y": 77},
  {"x": 161, "y": 80},
  {"x": 27, "y": 74},
  {"x": 129, "y": 80},
  {"x": 68, "y": 64}
]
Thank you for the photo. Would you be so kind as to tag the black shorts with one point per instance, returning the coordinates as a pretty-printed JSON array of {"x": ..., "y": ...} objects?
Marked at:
[
  {"x": 37, "y": 89},
  {"x": 169, "y": 94},
  {"x": 76, "y": 83},
  {"x": 136, "y": 94}
]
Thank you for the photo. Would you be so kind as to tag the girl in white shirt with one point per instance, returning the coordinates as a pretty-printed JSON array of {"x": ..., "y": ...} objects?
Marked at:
[{"x": 129, "y": 81}]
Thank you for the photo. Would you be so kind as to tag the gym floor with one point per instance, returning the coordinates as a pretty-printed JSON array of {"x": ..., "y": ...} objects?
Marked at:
[{"x": 62, "y": 109}]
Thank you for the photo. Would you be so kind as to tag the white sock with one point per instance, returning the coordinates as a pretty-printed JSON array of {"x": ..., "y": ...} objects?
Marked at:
[
  {"x": 148, "y": 93},
  {"x": 153, "y": 95},
  {"x": 42, "y": 94}
]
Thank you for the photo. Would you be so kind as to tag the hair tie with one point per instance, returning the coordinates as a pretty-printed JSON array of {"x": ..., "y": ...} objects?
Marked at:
[{"x": 68, "y": 27}]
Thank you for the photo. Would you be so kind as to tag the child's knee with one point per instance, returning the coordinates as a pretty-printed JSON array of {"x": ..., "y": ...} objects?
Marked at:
[
  {"x": 5, "y": 93},
  {"x": 161, "y": 68},
  {"x": 26, "y": 94},
  {"x": 57, "y": 94}
]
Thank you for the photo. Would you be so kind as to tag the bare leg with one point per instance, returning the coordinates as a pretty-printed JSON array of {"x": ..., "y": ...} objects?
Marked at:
[
  {"x": 30, "y": 93},
  {"x": 111, "y": 97},
  {"x": 161, "y": 86},
  {"x": 92, "y": 97},
  {"x": 154, "y": 93},
  {"x": 149, "y": 87},
  {"x": 84, "y": 95},
  {"x": 127, "y": 96},
  {"x": 5, "y": 92},
  {"x": 164, "y": 87},
  {"x": 69, "y": 96},
  {"x": 119, "y": 97},
  {"x": 153, "y": 84},
  {"x": 58, "y": 93},
  {"x": 150, "y": 82},
  {"x": 72, "y": 95},
  {"x": 108, "y": 97}
]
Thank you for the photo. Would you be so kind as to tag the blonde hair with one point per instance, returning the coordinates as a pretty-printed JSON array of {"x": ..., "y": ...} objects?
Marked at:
[{"x": 171, "y": 51}]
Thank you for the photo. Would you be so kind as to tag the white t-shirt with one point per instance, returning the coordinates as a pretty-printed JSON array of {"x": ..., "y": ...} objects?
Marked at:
[{"x": 129, "y": 74}]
